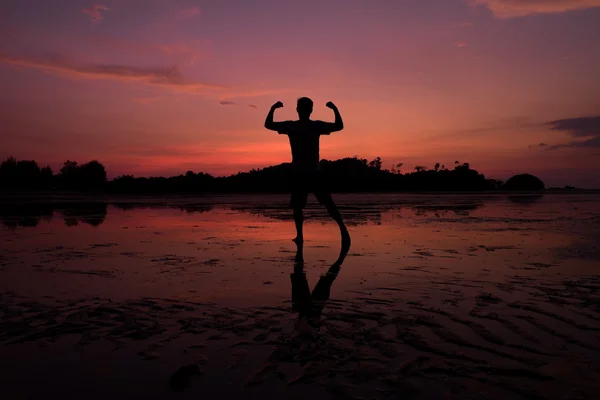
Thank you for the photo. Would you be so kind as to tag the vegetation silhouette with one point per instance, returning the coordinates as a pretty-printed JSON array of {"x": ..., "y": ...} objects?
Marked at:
[
  {"x": 349, "y": 175},
  {"x": 87, "y": 177},
  {"x": 524, "y": 182},
  {"x": 190, "y": 183},
  {"x": 27, "y": 175}
]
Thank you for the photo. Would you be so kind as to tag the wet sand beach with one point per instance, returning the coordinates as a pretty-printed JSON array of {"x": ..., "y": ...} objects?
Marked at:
[{"x": 439, "y": 297}]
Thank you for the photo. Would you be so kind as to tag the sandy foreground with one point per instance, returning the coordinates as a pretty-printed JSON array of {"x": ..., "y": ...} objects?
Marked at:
[{"x": 423, "y": 317}]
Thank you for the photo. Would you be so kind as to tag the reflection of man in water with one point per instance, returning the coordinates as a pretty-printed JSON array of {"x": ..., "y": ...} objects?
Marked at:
[
  {"x": 304, "y": 137},
  {"x": 310, "y": 305}
]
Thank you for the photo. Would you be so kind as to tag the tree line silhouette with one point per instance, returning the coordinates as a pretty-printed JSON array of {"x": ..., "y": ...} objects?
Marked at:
[
  {"x": 28, "y": 175},
  {"x": 350, "y": 174}
]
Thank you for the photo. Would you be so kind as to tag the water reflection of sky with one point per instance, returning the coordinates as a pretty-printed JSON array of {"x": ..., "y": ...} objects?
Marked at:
[{"x": 238, "y": 249}]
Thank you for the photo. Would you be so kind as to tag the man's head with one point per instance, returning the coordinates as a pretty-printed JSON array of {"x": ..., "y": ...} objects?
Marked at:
[{"x": 304, "y": 107}]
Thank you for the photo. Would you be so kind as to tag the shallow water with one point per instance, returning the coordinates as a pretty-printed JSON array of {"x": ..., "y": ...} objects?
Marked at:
[
  {"x": 499, "y": 279},
  {"x": 237, "y": 250}
]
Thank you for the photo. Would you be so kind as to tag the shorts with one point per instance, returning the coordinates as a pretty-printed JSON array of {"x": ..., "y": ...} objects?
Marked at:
[{"x": 303, "y": 183}]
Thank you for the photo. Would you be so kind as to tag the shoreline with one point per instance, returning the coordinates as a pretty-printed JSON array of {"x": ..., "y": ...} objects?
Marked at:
[{"x": 119, "y": 196}]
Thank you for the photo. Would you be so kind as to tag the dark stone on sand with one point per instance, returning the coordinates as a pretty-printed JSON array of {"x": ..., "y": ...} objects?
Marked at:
[
  {"x": 180, "y": 379},
  {"x": 488, "y": 298}
]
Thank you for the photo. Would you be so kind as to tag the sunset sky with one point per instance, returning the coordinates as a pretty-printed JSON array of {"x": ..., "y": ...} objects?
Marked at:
[{"x": 159, "y": 87}]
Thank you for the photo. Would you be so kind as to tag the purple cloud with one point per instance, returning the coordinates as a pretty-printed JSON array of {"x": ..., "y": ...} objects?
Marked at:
[
  {"x": 583, "y": 127},
  {"x": 168, "y": 77},
  {"x": 578, "y": 127},
  {"x": 522, "y": 8},
  {"x": 95, "y": 12}
]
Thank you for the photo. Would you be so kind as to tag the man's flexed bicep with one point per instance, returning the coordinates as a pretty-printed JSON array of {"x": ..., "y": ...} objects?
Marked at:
[
  {"x": 280, "y": 127},
  {"x": 338, "y": 125}
]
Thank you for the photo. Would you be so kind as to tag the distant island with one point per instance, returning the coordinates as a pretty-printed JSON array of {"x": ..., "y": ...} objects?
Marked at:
[{"x": 351, "y": 175}]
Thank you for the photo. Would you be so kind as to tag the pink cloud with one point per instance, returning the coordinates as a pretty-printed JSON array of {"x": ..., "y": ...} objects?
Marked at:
[
  {"x": 251, "y": 93},
  {"x": 168, "y": 77},
  {"x": 522, "y": 8},
  {"x": 461, "y": 44},
  {"x": 174, "y": 48},
  {"x": 189, "y": 12},
  {"x": 95, "y": 12},
  {"x": 188, "y": 51}
]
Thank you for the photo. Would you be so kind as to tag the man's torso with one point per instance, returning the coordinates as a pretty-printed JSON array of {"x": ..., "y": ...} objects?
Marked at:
[{"x": 304, "y": 141}]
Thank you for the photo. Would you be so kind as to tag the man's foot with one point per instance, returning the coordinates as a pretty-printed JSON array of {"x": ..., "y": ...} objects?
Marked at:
[{"x": 298, "y": 240}]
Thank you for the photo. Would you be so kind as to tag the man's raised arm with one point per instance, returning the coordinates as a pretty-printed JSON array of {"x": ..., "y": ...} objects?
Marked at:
[
  {"x": 269, "y": 124},
  {"x": 338, "y": 125}
]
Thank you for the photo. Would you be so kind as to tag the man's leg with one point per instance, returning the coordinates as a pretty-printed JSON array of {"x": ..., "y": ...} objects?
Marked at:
[
  {"x": 323, "y": 195},
  {"x": 298, "y": 202},
  {"x": 334, "y": 212},
  {"x": 325, "y": 199},
  {"x": 298, "y": 220}
]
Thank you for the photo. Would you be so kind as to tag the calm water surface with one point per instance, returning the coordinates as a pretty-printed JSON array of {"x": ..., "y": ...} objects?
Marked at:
[{"x": 237, "y": 250}]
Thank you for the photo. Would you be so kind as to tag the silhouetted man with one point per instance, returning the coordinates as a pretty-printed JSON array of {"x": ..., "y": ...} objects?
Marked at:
[{"x": 304, "y": 137}]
